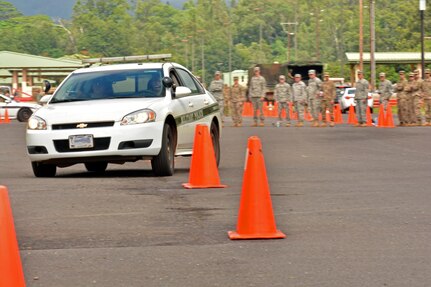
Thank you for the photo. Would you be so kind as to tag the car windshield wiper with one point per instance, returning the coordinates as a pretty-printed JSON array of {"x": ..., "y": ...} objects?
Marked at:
[{"x": 53, "y": 101}]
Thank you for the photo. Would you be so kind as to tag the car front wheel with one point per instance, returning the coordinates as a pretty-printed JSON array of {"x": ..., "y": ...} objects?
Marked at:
[
  {"x": 163, "y": 164},
  {"x": 43, "y": 170}
]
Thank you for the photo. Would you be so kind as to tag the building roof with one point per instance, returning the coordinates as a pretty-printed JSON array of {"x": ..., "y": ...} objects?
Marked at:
[
  {"x": 390, "y": 57},
  {"x": 18, "y": 61}
]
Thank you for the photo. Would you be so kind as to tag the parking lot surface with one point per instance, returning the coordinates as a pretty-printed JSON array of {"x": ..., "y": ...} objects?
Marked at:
[{"x": 353, "y": 202}]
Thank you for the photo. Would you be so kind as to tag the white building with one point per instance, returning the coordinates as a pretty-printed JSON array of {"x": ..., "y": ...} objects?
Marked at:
[{"x": 241, "y": 74}]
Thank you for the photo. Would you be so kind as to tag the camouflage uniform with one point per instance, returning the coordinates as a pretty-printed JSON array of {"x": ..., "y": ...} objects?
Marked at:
[
  {"x": 409, "y": 91},
  {"x": 385, "y": 92},
  {"x": 327, "y": 101},
  {"x": 299, "y": 97},
  {"x": 237, "y": 102},
  {"x": 283, "y": 95},
  {"x": 402, "y": 101},
  {"x": 313, "y": 91},
  {"x": 426, "y": 88},
  {"x": 257, "y": 90},
  {"x": 216, "y": 89},
  {"x": 361, "y": 97},
  {"x": 417, "y": 101}
]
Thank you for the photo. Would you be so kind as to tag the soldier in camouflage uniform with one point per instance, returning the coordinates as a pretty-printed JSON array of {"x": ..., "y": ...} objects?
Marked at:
[
  {"x": 402, "y": 100},
  {"x": 327, "y": 101},
  {"x": 283, "y": 95},
  {"x": 417, "y": 99},
  {"x": 216, "y": 89},
  {"x": 409, "y": 90},
  {"x": 426, "y": 87},
  {"x": 385, "y": 90},
  {"x": 313, "y": 91},
  {"x": 361, "y": 97},
  {"x": 300, "y": 98},
  {"x": 237, "y": 102},
  {"x": 256, "y": 93}
]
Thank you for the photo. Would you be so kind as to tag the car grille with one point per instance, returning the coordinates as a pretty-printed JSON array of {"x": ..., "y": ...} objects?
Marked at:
[
  {"x": 76, "y": 125},
  {"x": 99, "y": 144}
]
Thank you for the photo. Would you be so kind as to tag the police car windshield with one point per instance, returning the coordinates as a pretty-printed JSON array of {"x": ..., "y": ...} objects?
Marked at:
[{"x": 111, "y": 85}]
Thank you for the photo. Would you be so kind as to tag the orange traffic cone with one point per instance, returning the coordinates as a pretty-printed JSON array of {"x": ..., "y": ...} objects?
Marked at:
[
  {"x": 248, "y": 110},
  {"x": 293, "y": 115},
  {"x": 338, "y": 117},
  {"x": 255, "y": 218},
  {"x": 328, "y": 116},
  {"x": 203, "y": 168},
  {"x": 389, "y": 120},
  {"x": 369, "y": 118},
  {"x": 352, "y": 116},
  {"x": 307, "y": 115},
  {"x": 11, "y": 273},
  {"x": 6, "y": 117},
  {"x": 1, "y": 120},
  {"x": 382, "y": 118}
]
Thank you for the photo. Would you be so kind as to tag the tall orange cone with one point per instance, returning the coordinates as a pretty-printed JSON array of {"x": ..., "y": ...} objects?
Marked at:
[
  {"x": 352, "y": 115},
  {"x": 6, "y": 117},
  {"x": 338, "y": 117},
  {"x": 389, "y": 120},
  {"x": 293, "y": 115},
  {"x": 382, "y": 118},
  {"x": 11, "y": 274},
  {"x": 307, "y": 115},
  {"x": 248, "y": 110},
  {"x": 203, "y": 168},
  {"x": 255, "y": 218},
  {"x": 1, "y": 120},
  {"x": 369, "y": 118}
]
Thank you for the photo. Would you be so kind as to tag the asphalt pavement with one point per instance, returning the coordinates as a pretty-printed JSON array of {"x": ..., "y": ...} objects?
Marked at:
[{"x": 353, "y": 202}]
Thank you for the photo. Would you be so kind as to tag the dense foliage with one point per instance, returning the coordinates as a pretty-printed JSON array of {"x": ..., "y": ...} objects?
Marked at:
[{"x": 223, "y": 34}]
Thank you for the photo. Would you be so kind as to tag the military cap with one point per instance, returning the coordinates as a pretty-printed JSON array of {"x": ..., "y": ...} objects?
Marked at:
[
  {"x": 256, "y": 69},
  {"x": 382, "y": 75},
  {"x": 427, "y": 71},
  {"x": 359, "y": 72},
  {"x": 236, "y": 78},
  {"x": 402, "y": 72},
  {"x": 282, "y": 77},
  {"x": 297, "y": 75},
  {"x": 416, "y": 71},
  {"x": 312, "y": 72},
  {"x": 217, "y": 73},
  {"x": 411, "y": 74},
  {"x": 326, "y": 74}
]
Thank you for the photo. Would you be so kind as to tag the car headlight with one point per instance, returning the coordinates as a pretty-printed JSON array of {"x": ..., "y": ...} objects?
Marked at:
[
  {"x": 36, "y": 123},
  {"x": 139, "y": 117}
]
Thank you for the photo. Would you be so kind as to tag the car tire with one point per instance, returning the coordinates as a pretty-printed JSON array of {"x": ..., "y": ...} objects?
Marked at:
[
  {"x": 98, "y": 167},
  {"x": 215, "y": 137},
  {"x": 24, "y": 114},
  {"x": 43, "y": 170},
  {"x": 164, "y": 163}
]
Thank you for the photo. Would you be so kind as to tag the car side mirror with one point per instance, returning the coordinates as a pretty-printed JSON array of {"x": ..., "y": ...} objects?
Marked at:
[
  {"x": 45, "y": 99},
  {"x": 47, "y": 85},
  {"x": 167, "y": 82}
]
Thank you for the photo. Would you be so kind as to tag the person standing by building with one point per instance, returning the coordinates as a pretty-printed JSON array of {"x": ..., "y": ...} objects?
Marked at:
[
  {"x": 314, "y": 96},
  {"x": 299, "y": 97},
  {"x": 327, "y": 101},
  {"x": 216, "y": 89},
  {"x": 402, "y": 101},
  {"x": 426, "y": 89},
  {"x": 361, "y": 97},
  {"x": 256, "y": 94},
  {"x": 385, "y": 90},
  {"x": 283, "y": 95},
  {"x": 237, "y": 102},
  {"x": 409, "y": 91}
]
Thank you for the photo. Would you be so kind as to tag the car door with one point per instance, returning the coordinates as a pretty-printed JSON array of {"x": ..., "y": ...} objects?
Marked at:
[{"x": 194, "y": 103}]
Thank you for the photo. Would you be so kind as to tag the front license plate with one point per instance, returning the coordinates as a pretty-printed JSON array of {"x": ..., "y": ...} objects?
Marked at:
[{"x": 81, "y": 141}]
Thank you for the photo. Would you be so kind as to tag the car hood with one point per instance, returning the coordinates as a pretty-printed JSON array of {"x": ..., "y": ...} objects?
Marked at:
[{"x": 93, "y": 111}]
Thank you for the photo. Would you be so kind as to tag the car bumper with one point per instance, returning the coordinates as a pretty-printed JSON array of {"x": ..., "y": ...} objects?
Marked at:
[{"x": 115, "y": 143}]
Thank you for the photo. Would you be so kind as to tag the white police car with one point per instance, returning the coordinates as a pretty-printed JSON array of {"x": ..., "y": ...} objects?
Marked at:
[
  {"x": 347, "y": 99},
  {"x": 121, "y": 113},
  {"x": 16, "y": 110}
]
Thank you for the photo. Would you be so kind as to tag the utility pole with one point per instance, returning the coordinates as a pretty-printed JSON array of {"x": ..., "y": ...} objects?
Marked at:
[
  {"x": 361, "y": 36},
  {"x": 422, "y": 7},
  {"x": 372, "y": 45},
  {"x": 287, "y": 30}
]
